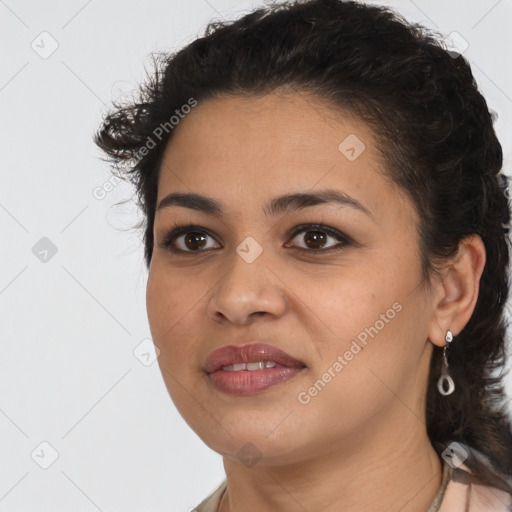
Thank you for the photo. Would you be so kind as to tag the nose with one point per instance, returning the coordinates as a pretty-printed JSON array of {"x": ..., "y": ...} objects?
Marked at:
[{"x": 247, "y": 291}]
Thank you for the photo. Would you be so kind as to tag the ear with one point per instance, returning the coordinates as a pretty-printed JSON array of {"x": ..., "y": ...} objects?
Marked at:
[{"x": 456, "y": 292}]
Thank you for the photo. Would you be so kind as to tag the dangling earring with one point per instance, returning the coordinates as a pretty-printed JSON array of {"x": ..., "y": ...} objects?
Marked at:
[{"x": 445, "y": 377}]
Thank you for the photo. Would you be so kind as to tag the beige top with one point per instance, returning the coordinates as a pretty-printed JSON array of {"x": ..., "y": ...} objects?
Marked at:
[{"x": 460, "y": 491}]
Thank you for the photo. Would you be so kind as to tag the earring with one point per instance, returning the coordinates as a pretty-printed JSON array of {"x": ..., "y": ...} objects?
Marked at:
[{"x": 445, "y": 384}]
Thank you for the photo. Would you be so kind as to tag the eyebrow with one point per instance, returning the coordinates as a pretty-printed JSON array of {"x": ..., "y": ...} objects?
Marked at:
[{"x": 279, "y": 205}]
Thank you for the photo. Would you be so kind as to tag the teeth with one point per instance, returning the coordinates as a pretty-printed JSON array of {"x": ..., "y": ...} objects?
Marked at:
[{"x": 258, "y": 365}]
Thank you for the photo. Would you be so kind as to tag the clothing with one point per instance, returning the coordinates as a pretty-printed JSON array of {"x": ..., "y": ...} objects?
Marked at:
[{"x": 460, "y": 491}]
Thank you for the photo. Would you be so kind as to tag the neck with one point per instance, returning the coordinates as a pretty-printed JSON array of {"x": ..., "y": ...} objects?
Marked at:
[{"x": 369, "y": 471}]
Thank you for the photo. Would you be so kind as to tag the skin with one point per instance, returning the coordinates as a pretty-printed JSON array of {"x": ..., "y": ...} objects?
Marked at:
[{"x": 360, "y": 443}]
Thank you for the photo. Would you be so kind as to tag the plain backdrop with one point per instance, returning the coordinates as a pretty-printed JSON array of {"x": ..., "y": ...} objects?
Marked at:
[{"x": 86, "y": 423}]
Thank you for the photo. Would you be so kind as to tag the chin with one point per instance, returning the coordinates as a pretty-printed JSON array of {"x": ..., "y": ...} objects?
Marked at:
[{"x": 247, "y": 441}]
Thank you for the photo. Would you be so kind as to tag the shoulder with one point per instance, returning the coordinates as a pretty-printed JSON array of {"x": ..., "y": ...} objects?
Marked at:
[
  {"x": 466, "y": 493},
  {"x": 212, "y": 501}
]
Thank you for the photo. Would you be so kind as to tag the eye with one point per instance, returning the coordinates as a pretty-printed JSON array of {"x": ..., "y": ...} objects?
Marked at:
[
  {"x": 190, "y": 239},
  {"x": 193, "y": 237},
  {"x": 317, "y": 236}
]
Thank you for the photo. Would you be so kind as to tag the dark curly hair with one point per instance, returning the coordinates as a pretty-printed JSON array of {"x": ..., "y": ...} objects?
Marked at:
[{"x": 434, "y": 131}]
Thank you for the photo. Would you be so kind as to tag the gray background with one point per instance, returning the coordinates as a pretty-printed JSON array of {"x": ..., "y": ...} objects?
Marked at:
[{"x": 72, "y": 320}]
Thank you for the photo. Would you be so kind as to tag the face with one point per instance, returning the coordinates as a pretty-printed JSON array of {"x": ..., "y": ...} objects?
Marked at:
[{"x": 337, "y": 285}]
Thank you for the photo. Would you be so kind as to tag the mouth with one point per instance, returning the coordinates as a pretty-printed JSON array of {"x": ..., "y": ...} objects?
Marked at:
[
  {"x": 249, "y": 369},
  {"x": 258, "y": 365}
]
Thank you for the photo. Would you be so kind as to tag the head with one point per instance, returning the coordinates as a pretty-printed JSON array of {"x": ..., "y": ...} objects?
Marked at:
[{"x": 300, "y": 99}]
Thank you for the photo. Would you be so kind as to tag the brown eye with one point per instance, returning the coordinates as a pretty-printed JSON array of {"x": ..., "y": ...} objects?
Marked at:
[
  {"x": 186, "y": 239},
  {"x": 194, "y": 239},
  {"x": 315, "y": 238}
]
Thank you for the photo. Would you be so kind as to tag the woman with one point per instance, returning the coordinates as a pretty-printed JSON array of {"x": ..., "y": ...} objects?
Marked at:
[{"x": 326, "y": 235}]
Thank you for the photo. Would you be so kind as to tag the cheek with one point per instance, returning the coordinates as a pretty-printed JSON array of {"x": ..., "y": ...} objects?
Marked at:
[
  {"x": 373, "y": 321},
  {"x": 169, "y": 304},
  {"x": 377, "y": 354},
  {"x": 358, "y": 371},
  {"x": 353, "y": 302}
]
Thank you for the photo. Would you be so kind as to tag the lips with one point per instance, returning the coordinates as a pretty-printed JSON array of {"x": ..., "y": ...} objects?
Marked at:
[{"x": 249, "y": 353}]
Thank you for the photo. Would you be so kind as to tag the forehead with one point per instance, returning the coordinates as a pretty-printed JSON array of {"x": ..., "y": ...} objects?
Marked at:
[
  {"x": 256, "y": 147},
  {"x": 267, "y": 133}
]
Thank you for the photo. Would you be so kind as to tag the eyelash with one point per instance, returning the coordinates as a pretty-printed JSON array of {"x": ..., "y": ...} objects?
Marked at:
[{"x": 178, "y": 230}]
